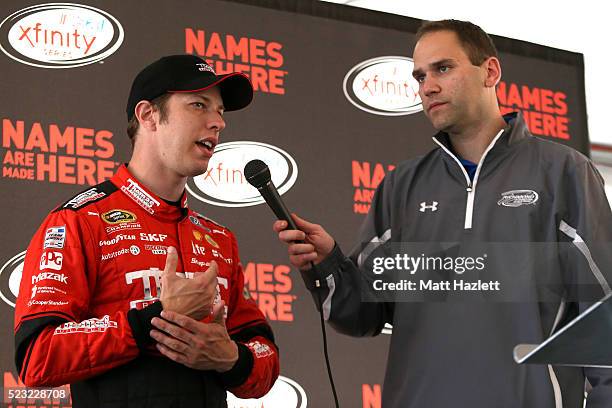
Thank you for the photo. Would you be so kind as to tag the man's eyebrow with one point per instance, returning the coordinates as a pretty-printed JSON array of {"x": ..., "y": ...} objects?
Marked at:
[
  {"x": 206, "y": 99},
  {"x": 436, "y": 64},
  {"x": 445, "y": 61}
]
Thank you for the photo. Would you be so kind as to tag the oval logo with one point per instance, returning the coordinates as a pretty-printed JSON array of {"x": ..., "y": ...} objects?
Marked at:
[
  {"x": 10, "y": 277},
  {"x": 118, "y": 216},
  {"x": 383, "y": 86},
  {"x": 224, "y": 183},
  {"x": 60, "y": 35},
  {"x": 516, "y": 198},
  {"x": 285, "y": 393}
]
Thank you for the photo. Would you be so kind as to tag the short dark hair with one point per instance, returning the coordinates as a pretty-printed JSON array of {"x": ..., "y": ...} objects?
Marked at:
[
  {"x": 158, "y": 103},
  {"x": 476, "y": 43}
]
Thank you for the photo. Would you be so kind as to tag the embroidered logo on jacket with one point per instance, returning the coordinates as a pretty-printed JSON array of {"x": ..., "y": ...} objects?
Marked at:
[
  {"x": 92, "y": 325},
  {"x": 516, "y": 198},
  {"x": 118, "y": 216},
  {"x": 141, "y": 197},
  {"x": 90, "y": 195},
  {"x": 55, "y": 237},
  {"x": 433, "y": 207}
]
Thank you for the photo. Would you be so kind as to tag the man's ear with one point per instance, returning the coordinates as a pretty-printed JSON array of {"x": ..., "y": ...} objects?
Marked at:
[
  {"x": 145, "y": 112},
  {"x": 493, "y": 72}
]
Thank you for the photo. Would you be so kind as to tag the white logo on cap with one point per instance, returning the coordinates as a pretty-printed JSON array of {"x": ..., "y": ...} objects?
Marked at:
[{"x": 205, "y": 67}]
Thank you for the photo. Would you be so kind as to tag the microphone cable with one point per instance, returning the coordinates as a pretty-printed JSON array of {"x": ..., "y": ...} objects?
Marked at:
[
  {"x": 324, "y": 332},
  {"x": 258, "y": 175}
]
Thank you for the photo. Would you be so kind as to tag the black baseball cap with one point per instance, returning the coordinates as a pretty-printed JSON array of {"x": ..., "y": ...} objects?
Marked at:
[{"x": 188, "y": 73}]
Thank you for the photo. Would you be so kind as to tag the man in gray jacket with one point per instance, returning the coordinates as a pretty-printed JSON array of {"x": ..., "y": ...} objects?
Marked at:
[{"x": 531, "y": 216}]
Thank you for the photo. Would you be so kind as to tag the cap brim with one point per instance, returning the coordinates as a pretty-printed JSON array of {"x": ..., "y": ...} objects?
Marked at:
[{"x": 236, "y": 89}]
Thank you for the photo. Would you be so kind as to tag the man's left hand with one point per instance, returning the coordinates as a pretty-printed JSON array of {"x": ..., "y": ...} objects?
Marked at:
[{"x": 202, "y": 346}]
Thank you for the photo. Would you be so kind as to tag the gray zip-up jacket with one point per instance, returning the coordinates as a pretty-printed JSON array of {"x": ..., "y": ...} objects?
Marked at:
[{"x": 535, "y": 206}]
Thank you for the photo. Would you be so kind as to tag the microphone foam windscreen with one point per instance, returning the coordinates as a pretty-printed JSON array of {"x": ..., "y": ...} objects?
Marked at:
[{"x": 257, "y": 173}]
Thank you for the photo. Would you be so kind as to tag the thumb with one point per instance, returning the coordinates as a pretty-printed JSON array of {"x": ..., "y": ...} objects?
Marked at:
[
  {"x": 219, "y": 313},
  {"x": 213, "y": 268},
  {"x": 304, "y": 225},
  {"x": 171, "y": 263}
]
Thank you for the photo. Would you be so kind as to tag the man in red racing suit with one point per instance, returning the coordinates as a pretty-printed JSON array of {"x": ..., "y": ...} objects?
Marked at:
[{"x": 91, "y": 288}]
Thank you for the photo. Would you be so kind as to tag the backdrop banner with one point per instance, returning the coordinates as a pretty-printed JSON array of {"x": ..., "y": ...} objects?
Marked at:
[{"x": 335, "y": 109}]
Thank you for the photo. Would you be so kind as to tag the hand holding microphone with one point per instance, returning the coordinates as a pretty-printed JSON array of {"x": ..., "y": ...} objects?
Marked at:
[{"x": 307, "y": 242}]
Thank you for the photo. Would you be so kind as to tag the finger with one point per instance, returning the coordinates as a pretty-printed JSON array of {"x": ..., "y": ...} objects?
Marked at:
[
  {"x": 279, "y": 225},
  {"x": 213, "y": 267},
  {"x": 209, "y": 276},
  {"x": 298, "y": 249},
  {"x": 303, "y": 260},
  {"x": 302, "y": 224},
  {"x": 291, "y": 236},
  {"x": 173, "y": 330},
  {"x": 172, "y": 355},
  {"x": 219, "y": 313},
  {"x": 170, "y": 342},
  {"x": 171, "y": 262},
  {"x": 183, "y": 321}
]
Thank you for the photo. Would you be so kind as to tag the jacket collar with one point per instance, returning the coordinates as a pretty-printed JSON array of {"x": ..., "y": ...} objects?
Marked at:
[
  {"x": 515, "y": 132},
  {"x": 147, "y": 200}
]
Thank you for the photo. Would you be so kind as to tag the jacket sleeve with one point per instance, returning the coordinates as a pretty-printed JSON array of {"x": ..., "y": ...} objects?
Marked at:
[
  {"x": 342, "y": 286},
  {"x": 257, "y": 367},
  {"x": 56, "y": 340},
  {"x": 586, "y": 235}
]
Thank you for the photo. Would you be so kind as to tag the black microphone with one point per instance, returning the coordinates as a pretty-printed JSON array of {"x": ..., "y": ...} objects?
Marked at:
[{"x": 258, "y": 175}]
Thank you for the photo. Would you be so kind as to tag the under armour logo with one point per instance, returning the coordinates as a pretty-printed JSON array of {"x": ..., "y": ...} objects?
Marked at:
[{"x": 432, "y": 207}]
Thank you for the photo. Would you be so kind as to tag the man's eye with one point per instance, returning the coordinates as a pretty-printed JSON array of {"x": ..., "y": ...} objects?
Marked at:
[
  {"x": 198, "y": 105},
  {"x": 420, "y": 78},
  {"x": 444, "y": 68}
]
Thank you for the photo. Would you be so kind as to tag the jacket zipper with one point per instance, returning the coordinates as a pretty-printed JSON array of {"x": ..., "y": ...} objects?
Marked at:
[{"x": 471, "y": 185}]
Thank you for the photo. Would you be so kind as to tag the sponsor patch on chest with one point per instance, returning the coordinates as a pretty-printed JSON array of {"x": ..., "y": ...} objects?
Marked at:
[{"x": 517, "y": 198}]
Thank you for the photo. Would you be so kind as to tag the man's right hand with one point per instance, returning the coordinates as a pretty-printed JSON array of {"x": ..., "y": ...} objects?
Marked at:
[
  {"x": 315, "y": 246},
  {"x": 191, "y": 297}
]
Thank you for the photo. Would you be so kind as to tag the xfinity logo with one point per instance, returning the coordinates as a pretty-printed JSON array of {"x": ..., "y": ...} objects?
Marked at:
[
  {"x": 224, "y": 183},
  {"x": 10, "y": 277},
  {"x": 383, "y": 86},
  {"x": 60, "y": 35},
  {"x": 516, "y": 198},
  {"x": 285, "y": 393}
]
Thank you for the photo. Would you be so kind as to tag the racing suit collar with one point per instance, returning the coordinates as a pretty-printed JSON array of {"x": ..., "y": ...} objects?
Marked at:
[{"x": 149, "y": 201}]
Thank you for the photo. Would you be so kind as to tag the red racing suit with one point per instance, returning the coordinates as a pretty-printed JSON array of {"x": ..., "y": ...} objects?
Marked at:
[{"x": 90, "y": 287}]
